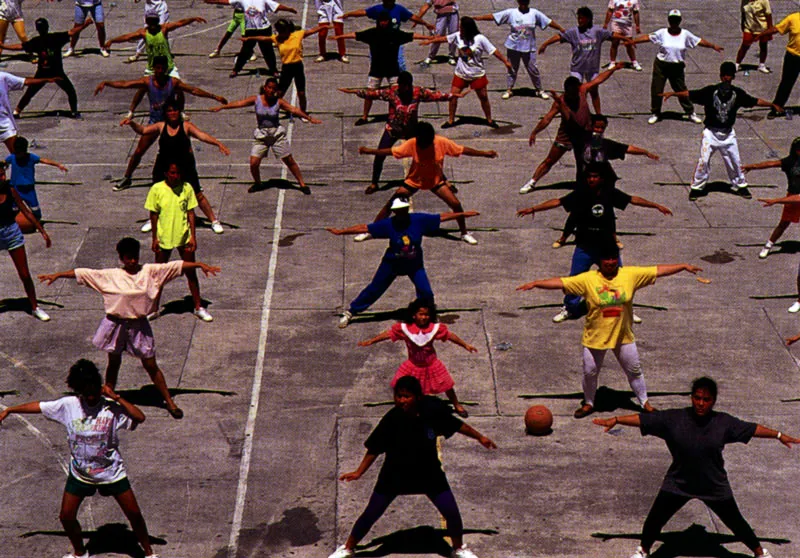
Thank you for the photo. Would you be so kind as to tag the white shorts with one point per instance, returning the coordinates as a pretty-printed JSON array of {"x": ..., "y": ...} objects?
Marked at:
[
  {"x": 265, "y": 139},
  {"x": 7, "y": 132},
  {"x": 157, "y": 8},
  {"x": 625, "y": 29},
  {"x": 375, "y": 82},
  {"x": 10, "y": 10},
  {"x": 584, "y": 77},
  {"x": 172, "y": 73},
  {"x": 329, "y": 12}
]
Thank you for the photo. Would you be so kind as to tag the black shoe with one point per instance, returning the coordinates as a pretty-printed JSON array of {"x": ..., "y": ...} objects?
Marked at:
[
  {"x": 361, "y": 122},
  {"x": 745, "y": 193},
  {"x": 693, "y": 195},
  {"x": 492, "y": 124},
  {"x": 448, "y": 125},
  {"x": 123, "y": 184},
  {"x": 775, "y": 114},
  {"x": 306, "y": 190}
]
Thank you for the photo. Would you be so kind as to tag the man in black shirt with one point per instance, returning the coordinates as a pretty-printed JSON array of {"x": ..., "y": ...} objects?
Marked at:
[
  {"x": 591, "y": 207},
  {"x": 47, "y": 47},
  {"x": 720, "y": 101}
]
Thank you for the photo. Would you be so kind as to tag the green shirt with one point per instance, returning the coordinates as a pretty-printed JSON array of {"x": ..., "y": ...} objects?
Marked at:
[
  {"x": 157, "y": 45},
  {"x": 172, "y": 206}
]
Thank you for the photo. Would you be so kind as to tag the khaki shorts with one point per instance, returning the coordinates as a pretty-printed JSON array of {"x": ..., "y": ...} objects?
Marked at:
[
  {"x": 375, "y": 82},
  {"x": 265, "y": 139}
]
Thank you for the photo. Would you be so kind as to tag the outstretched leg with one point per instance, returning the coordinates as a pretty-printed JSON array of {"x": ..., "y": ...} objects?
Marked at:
[
  {"x": 130, "y": 507},
  {"x": 157, "y": 377}
]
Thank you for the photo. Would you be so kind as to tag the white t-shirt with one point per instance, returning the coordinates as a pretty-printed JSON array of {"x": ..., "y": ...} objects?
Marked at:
[
  {"x": 672, "y": 48},
  {"x": 522, "y": 36},
  {"x": 470, "y": 57},
  {"x": 92, "y": 437},
  {"x": 256, "y": 12},
  {"x": 622, "y": 11},
  {"x": 8, "y": 82}
]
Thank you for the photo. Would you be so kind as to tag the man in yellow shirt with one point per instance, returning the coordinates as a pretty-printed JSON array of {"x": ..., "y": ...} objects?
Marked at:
[
  {"x": 171, "y": 204},
  {"x": 609, "y": 295},
  {"x": 791, "y": 59}
]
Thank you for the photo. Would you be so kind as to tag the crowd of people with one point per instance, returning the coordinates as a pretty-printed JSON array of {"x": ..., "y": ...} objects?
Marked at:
[{"x": 406, "y": 434}]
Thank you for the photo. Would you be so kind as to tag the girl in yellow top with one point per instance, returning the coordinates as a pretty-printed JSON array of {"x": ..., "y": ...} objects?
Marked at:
[
  {"x": 290, "y": 46},
  {"x": 609, "y": 295}
]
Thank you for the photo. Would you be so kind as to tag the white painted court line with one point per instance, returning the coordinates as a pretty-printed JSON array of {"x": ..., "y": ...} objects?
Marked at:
[{"x": 247, "y": 449}]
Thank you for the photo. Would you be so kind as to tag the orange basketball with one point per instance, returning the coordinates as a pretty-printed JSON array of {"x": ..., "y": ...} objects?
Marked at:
[{"x": 538, "y": 420}]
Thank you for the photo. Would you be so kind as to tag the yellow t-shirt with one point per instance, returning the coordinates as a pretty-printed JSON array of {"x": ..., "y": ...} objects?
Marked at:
[
  {"x": 172, "y": 206},
  {"x": 791, "y": 24},
  {"x": 291, "y": 50},
  {"x": 755, "y": 15},
  {"x": 610, "y": 302}
]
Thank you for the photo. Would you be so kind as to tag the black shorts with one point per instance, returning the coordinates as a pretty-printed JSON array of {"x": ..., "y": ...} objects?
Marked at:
[
  {"x": 83, "y": 489},
  {"x": 289, "y": 72}
]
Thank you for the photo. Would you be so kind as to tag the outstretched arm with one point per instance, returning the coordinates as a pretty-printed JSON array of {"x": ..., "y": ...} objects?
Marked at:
[
  {"x": 544, "y": 206},
  {"x": 548, "y": 42},
  {"x": 282, "y": 8},
  {"x": 365, "y": 464},
  {"x": 167, "y": 27},
  {"x": 552, "y": 284},
  {"x": 420, "y": 21},
  {"x": 135, "y": 35},
  {"x": 627, "y": 420},
  {"x": 773, "y": 106},
  {"x": 785, "y": 439},
  {"x": 317, "y": 29},
  {"x": 383, "y": 336},
  {"x": 704, "y": 43},
  {"x": 134, "y": 412},
  {"x": 31, "y": 408},
  {"x": 291, "y": 109},
  {"x": 52, "y": 163},
  {"x": 246, "y": 102},
  {"x": 433, "y": 39},
  {"x": 501, "y": 58},
  {"x": 556, "y": 26},
  {"x": 345, "y": 36},
  {"x": 771, "y": 164},
  {"x": 385, "y": 152},
  {"x": 769, "y": 32},
  {"x": 196, "y": 132},
  {"x": 470, "y": 432},
  {"x": 444, "y": 217},
  {"x": 603, "y": 76},
  {"x": 204, "y": 267},
  {"x": 491, "y": 154},
  {"x": 637, "y": 40},
  {"x": 633, "y": 150},
  {"x": 793, "y": 199},
  {"x": 453, "y": 338},
  {"x": 641, "y": 202},
  {"x": 140, "y": 83},
  {"x": 355, "y": 13},
  {"x": 40, "y": 81},
  {"x": 355, "y": 229},
  {"x": 143, "y": 130},
  {"x": 51, "y": 278},
  {"x": 668, "y": 94},
  {"x": 197, "y": 92},
  {"x": 664, "y": 270}
]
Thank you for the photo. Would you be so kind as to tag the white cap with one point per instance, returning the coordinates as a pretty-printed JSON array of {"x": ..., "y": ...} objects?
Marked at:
[
  {"x": 400, "y": 203},
  {"x": 674, "y": 13}
]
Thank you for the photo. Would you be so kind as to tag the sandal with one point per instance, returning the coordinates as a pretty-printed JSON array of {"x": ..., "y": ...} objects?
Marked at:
[
  {"x": 583, "y": 411},
  {"x": 371, "y": 189},
  {"x": 175, "y": 412},
  {"x": 361, "y": 122},
  {"x": 461, "y": 411}
]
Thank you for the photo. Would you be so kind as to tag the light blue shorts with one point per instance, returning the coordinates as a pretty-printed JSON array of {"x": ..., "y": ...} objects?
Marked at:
[
  {"x": 95, "y": 12},
  {"x": 11, "y": 237}
]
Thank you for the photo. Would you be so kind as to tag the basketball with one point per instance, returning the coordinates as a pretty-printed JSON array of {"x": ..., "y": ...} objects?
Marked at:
[{"x": 538, "y": 420}]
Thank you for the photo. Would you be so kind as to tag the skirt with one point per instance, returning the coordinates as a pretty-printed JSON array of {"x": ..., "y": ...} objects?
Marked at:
[{"x": 434, "y": 378}]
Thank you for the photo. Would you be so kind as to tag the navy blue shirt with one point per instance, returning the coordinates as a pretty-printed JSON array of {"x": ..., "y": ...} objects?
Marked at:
[
  {"x": 405, "y": 237},
  {"x": 398, "y": 13}
]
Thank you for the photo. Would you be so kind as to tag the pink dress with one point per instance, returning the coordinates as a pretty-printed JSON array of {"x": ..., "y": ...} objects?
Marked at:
[{"x": 422, "y": 361}]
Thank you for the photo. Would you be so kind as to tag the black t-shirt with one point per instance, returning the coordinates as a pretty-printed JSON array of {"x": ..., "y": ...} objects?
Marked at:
[
  {"x": 590, "y": 148},
  {"x": 384, "y": 45},
  {"x": 791, "y": 167},
  {"x": 593, "y": 213},
  {"x": 696, "y": 444},
  {"x": 412, "y": 465},
  {"x": 48, "y": 49},
  {"x": 721, "y": 103}
]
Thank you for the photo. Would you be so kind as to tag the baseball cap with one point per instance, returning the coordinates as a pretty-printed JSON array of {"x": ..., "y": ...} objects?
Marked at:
[
  {"x": 674, "y": 13},
  {"x": 400, "y": 203}
]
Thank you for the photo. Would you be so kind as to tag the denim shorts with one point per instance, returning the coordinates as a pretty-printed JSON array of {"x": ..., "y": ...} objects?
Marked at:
[
  {"x": 11, "y": 237},
  {"x": 95, "y": 12}
]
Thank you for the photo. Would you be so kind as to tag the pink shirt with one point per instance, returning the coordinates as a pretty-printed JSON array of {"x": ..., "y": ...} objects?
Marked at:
[
  {"x": 420, "y": 341},
  {"x": 129, "y": 296}
]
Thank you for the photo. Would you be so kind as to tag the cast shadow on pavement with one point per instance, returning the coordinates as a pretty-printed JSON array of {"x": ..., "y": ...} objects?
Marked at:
[
  {"x": 21, "y": 304},
  {"x": 424, "y": 540},
  {"x": 607, "y": 399},
  {"x": 693, "y": 541},
  {"x": 148, "y": 396},
  {"x": 114, "y": 538}
]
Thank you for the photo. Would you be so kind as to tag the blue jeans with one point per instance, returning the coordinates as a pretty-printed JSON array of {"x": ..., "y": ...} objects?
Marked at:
[
  {"x": 387, "y": 272},
  {"x": 582, "y": 259}
]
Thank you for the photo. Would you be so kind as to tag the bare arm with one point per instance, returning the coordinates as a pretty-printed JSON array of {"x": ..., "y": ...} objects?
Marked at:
[
  {"x": 628, "y": 420},
  {"x": 772, "y": 164},
  {"x": 167, "y": 27},
  {"x": 548, "y": 42},
  {"x": 434, "y": 39},
  {"x": 345, "y": 36},
  {"x": 296, "y": 111},
  {"x": 31, "y": 408},
  {"x": 81, "y": 27},
  {"x": 383, "y": 336},
  {"x": 794, "y": 198},
  {"x": 552, "y": 284},
  {"x": 197, "y": 92},
  {"x": 633, "y": 150},
  {"x": 543, "y": 123},
  {"x": 491, "y": 154},
  {"x": 135, "y": 35},
  {"x": 609, "y": 13},
  {"x": 204, "y": 267},
  {"x": 444, "y": 217},
  {"x": 668, "y": 94},
  {"x": 140, "y": 83},
  {"x": 486, "y": 17},
  {"x": 316, "y": 29},
  {"x": 601, "y": 77},
  {"x": 282, "y": 8},
  {"x": 769, "y": 32},
  {"x": 365, "y": 464},
  {"x": 424, "y": 10},
  {"x": 385, "y": 152},
  {"x": 641, "y": 202},
  {"x": 453, "y": 338},
  {"x": 355, "y": 229},
  {"x": 355, "y": 13},
  {"x": 50, "y": 278},
  {"x": 501, "y": 58},
  {"x": 52, "y": 163},
  {"x": 556, "y": 26},
  {"x": 196, "y": 132},
  {"x": 134, "y": 412},
  {"x": 144, "y": 130},
  {"x": 785, "y": 439},
  {"x": 544, "y": 206},
  {"x": 422, "y": 22},
  {"x": 640, "y": 39},
  {"x": 665, "y": 270},
  {"x": 246, "y": 102},
  {"x": 470, "y": 432},
  {"x": 40, "y": 81},
  {"x": 704, "y": 43}
]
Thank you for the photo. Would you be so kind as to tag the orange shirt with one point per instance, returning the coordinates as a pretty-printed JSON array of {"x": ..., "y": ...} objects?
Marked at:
[{"x": 427, "y": 165}]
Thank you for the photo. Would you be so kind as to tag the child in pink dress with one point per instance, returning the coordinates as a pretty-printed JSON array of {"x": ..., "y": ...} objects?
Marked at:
[{"x": 419, "y": 331}]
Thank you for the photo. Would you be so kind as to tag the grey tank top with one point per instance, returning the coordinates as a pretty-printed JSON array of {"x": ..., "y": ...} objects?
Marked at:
[{"x": 266, "y": 115}]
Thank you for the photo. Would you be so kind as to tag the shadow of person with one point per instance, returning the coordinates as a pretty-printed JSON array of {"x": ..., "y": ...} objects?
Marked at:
[
  {"x": 22, "y": 304},
  {"x": 183, "y": 305},
  {"x": 418, "y": 540},
  {"x": 116, "y": 538},
  {"x": 148, "y": 395},
  {"x": 277, "y": 183},
  {"x": 695, "y": 540},
  {"x": 607, "y": 399}
]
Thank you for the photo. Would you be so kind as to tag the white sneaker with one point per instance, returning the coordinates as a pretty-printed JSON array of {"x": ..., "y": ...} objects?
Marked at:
[
  {"x": 202, "y": 314},
  {"x": 506, "y": 95},
  {"x": 452, "y": 61},
  {"x": 344, "y": 321},
  {"x": 653, "y": 119},
  {"x": 542, "y": 94},
  {"x": 42, "y": 316},
  {"x": 151, "y": 556},
  {"x": 764, "y": 70},
  {"x": 253, "y": 58},
  {"x": 636, "y": 66},
  {"x": 528, "y": 186},
  {"x": 154, "y": 315},
  {"x": 696, "y": 119},
  {"x": 469, "y": 239},
  {"x": 104, "y": 53},
  {"x": 766, "y": 553},
  {"x": 428, "y": 61},
  {"x": 216, "y": 226},
  {"x": 213, "y": 54},
  {"x": 611, "y": 65},
  {"x": 362, "y": 237},
  {"x": 463, "y": 552},
  {"x": 561, "y": 316},
  {"x": 636, "y": 319},
  {"x": 640, "y": 553},
  {"x": 134, "y": 57},
  {"x": 738, "y": 67},
  {"x": 794, "y": 308},
  {"x": 344, "y": 59},
  {"x": 763, "y": 253},
  {"x": 342, "y": 552},
  {"x": 67, "y": 53},
  {"x": 147, "y": 227}
]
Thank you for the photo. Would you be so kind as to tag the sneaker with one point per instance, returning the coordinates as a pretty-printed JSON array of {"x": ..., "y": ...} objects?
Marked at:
[
  {"x": 123, "y": 184},
  {"x": 214, "y": 53},
  {"x": 15, "y": 114},
  {"x": 794, "y": 308},
  {"x": 738, "y": 67},
  {"x": 766, "y": 553},
  {"x": 342, "y": 552},
  {"x": 135, "y": 56},
  {"x": 42, "y": 316},
  {"x": 772, "y": 114},
  {"x": 694, "y": 193},
  {"x": 462, "y": 552},
  {"x": 67, "y": 53},
  {"x": 320, "y": 58},
  {"x": 764, "y": 70},
  {"x": 528, "y": 186},
  {"x": 216, "y": 226},
  {"x": 765, "y": 250},
  {"x": 561, "y": 316},
  {"x": 203, "y": 314},
  {"x": 640, "y": 553},
  {"x": 344, "y": 321},
  {"x": 253, "y": 58},
  {"x": 636, "y": 319},
  {"x": 696, "y": 119},
  {"x": 556, "y": 245},
  {"x": 152, "y": 316},
  {"x": 744, "y": 192},
  {"x": 541, "y": 94},
  {"x": 636, "y": 66},
  {"x": 612, "y": 65},
  {"x": 653, "y": 119},
  {"x": 506, "y": 95},
  {"x": 76, "y": 115},
  {"x": 469, "y": 239},
  {"x": 104, "y": 53},
  {"x": 71, "y": 555},
  {"x": 362, "y": 237},
  {"x": 428, "y": 61},
  {"x": 344, "y": 59},
  {"x": 151, "y": 556},
  {"x": 583, "y": 411},
  {"x": 147, "y": 227},
  {"x": 452, "y": 61}
]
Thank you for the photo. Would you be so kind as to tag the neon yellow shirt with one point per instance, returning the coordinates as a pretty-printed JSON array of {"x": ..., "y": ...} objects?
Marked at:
[
  {"x": 791, "y": 24},
  {"x": 610, "y": 302},
  {"x": 172, "y": 206}
]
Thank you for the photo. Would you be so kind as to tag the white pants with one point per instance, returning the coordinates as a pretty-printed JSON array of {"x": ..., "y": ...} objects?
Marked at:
[
  {"x": 628, "y": 358},
  {"x": 725, "y": 143}
]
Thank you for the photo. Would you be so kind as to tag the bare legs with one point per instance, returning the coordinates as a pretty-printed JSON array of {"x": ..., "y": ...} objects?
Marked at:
[
  {"x": 150, "y": 365},
  {"x": 290, "y": 163},
  {"x": 612, "y": 53},
  {"x": 20, "y": 260}
]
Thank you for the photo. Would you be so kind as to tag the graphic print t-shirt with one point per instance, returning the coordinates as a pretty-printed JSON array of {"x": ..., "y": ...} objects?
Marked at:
[{"x": 721, "y": 103}]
